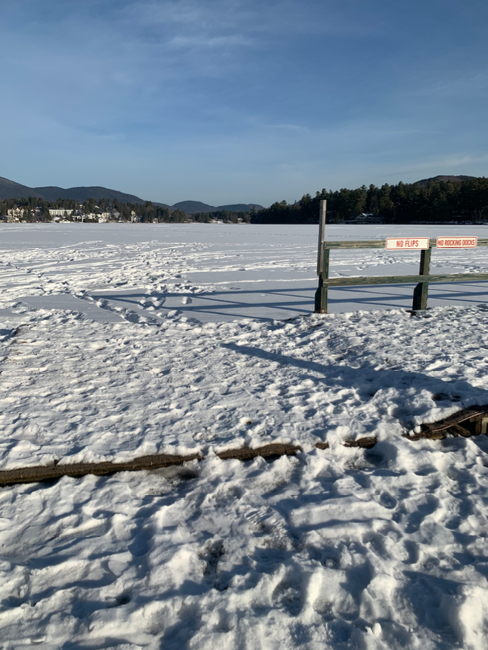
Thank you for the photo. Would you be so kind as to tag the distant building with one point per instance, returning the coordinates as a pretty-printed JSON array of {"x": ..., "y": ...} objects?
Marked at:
[
  {"x": 368, "y": 217},
  {"x": 60, "y": 213},
  {"x": 365, "y": 217},
  {"x": 16, "y": 213}
]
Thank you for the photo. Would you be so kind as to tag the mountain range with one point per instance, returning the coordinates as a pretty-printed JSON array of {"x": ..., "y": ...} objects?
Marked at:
[{"x": 12, "y": 190}]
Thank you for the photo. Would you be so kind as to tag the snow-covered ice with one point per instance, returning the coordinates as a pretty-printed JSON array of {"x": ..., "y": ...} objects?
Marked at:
[
  {"x": 122, "y": 341},
  {"x": 215, "y": 272}
]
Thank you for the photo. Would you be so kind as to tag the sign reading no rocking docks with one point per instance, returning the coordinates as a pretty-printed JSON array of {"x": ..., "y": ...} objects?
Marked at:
[
  {"x": 407, "y": 243},
  {"x": 456, "y": 242}
]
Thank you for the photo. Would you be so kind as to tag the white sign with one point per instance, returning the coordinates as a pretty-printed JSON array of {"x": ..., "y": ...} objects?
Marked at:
[
  {"x": 407, "y": 243},
  {"x": 456, "y": 242}
]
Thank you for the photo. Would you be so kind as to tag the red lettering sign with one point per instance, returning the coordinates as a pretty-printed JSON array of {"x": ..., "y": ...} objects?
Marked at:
[
  {"x": 407, "y": 243},
  {"x": 456, "y": 242}
]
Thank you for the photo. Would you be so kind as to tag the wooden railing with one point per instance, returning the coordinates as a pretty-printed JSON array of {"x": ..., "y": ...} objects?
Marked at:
[{"x": 422, "y": 280}]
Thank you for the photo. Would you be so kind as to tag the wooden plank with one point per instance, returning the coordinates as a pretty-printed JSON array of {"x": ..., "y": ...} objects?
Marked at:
[
  {"x": 268, "y": 451},
  {"x": 322, "y": 445},
  {"x": 484, "y": 426},
  {"x": 472, "y": 416},
  {"x": 405, "y": 279},
  {"x": 481, "y": 425},
  {"x": 38, "y": 473},
  {"x": 355, "y": 244},
  {"x": 75, "y": 470},
  {"x": 472, "y": 413},
  {"x": 364, "y": 443},
  {"x": 459, "y": 430},
  {"x": 375, "y": 243}
]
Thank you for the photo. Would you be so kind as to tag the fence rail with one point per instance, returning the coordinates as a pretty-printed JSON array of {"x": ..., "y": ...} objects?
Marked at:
[
  {"x": 405, "y": 279},
  {"x": 378, "y": 243},
  {"x": 422, "y": 279}
]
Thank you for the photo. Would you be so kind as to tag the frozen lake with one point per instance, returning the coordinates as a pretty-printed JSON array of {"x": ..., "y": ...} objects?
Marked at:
[
  {"x": 215, "y": 272},
  {"x": 104, "y": 357}
]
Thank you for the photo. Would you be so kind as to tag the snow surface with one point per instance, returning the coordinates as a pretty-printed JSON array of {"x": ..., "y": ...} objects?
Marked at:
[
  {"x": 215, "y": 272},
  {"x": 111, "y": 348}
]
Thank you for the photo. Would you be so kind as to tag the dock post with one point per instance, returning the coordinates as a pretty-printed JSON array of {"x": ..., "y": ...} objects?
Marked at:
[
  {"x": 321, "y": 295},
  {"x": 421, "y": 291}
]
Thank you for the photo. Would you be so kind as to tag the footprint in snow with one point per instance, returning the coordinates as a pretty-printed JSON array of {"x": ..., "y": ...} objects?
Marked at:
[
  {"x": 131, "y": 316},
  {"x": 387, "y": 500}
]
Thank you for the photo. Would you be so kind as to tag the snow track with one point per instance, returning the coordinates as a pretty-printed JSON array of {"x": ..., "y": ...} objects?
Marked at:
[
  {"x": 79, "y": 391},
  {"x": 303, "y": 552},
  {"x": 340, "y": 548},
  {"x": 213, "y": 272}
]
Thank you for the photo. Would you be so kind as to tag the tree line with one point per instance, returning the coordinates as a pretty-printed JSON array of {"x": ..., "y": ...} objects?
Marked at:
[
  {"x": 36, "y": 209},
  {"x": 435, "y": 201}
]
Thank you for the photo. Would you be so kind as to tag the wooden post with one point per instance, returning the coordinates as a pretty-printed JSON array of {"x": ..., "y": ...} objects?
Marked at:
[
  {"x": 321, "y": 294},
  {"x": 421, "y": 291},
  {"x": 322, "y": 218}
]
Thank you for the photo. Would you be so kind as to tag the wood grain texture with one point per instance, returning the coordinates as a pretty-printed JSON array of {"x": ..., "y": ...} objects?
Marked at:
[{"x": 406, "y": 279}]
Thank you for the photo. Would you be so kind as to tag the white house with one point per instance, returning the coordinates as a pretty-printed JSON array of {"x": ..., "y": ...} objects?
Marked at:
[
  {"x": 60, "y": 213},
  {"x": 16, "y": 213}
]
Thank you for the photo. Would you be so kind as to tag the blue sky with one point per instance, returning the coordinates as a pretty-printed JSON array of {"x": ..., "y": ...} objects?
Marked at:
[{"x": 241, "y": 101}]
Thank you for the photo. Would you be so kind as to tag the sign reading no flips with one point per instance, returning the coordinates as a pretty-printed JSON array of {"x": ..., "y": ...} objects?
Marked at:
[
  {"x": 407, "y": 243},
  {"x": 456, "y": 242}
]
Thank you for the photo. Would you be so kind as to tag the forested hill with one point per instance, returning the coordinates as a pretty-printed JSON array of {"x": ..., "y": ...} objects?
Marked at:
[
  {"x": 12, "y": 190},
  {"x": 82, "y": 194},
  {"x": 54, "y": 194},
  {"x": 438, "y": 199},
  {"x": 437, "y": 179},
  {"x": 459, "y": 198}
]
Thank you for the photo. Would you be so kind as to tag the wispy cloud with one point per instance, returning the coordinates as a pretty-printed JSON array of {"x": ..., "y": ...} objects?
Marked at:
[
  {"x": 465, "y": 85},
  {"x": 199, "y": 42},
  {"x": 450, "y": 162}
]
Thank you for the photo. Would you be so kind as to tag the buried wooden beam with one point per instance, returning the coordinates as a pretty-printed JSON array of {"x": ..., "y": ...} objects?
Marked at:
[
  {"x": 77, "y": 470},
  {"x": 468, "y": 422},
  {"x": 38, "y": 473},
  {"x": 363, "y": 443},
  {"x": 268, "y": 451},
  {"x": 472, "y": 421}
]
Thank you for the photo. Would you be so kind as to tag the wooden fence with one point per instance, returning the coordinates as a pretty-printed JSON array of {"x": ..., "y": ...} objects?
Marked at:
[{"x": 422, "y": 280}]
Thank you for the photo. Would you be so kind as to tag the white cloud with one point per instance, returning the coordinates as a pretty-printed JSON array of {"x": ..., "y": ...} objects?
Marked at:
[{"x": 451, "y": 161}]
